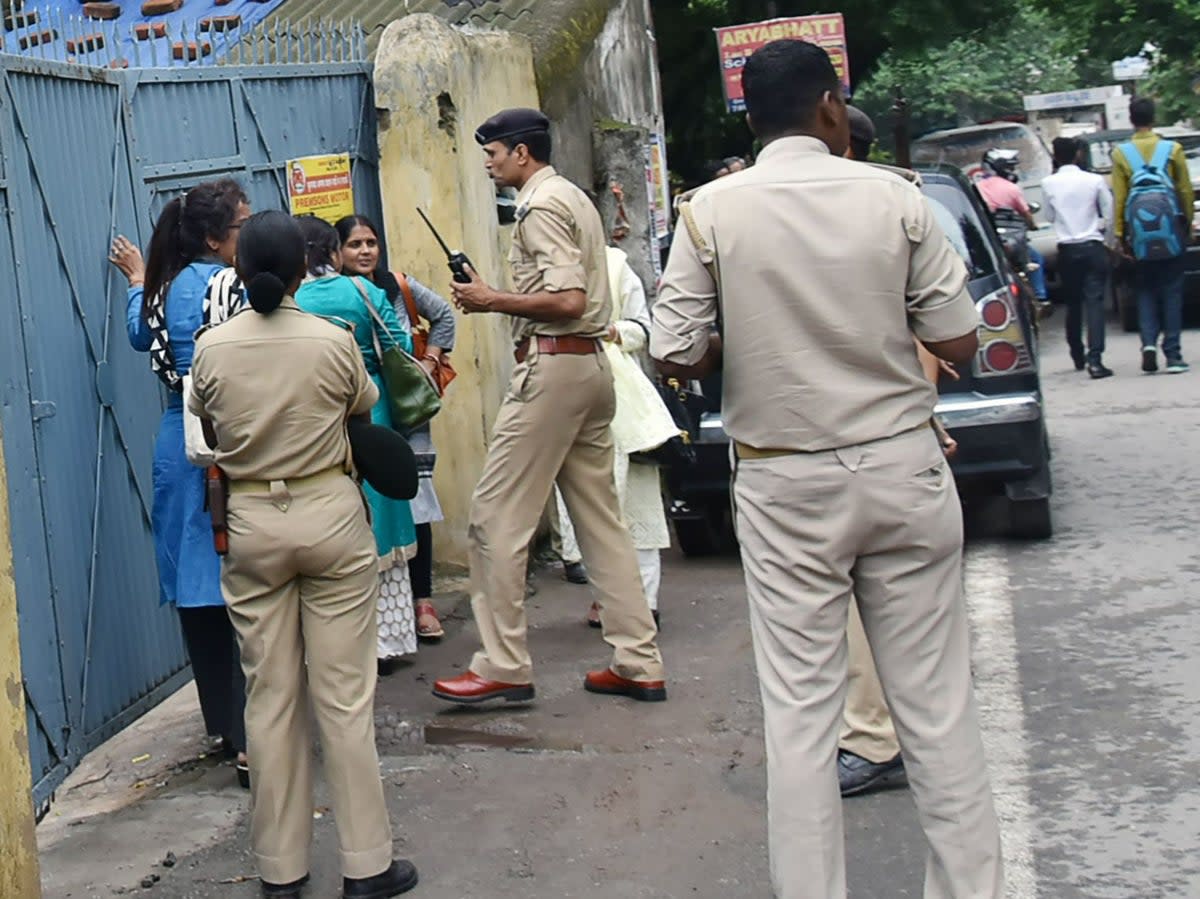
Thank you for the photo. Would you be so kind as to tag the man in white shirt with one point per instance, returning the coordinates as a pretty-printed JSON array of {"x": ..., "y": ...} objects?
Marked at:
[{"x": 1081, "y": 207}]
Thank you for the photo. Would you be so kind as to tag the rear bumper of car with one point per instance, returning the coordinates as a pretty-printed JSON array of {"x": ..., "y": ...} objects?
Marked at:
[{"x": 1001, "y": 438}]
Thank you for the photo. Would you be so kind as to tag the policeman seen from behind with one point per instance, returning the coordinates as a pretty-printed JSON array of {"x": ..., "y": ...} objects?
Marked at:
[
  {"x": 553, "y": 425},
  {"x": 276, "y": 387},
  {"x": 827, "y": 268}
]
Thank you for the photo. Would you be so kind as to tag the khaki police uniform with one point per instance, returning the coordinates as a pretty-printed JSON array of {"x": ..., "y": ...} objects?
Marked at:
[
  {"x": 554, "y": 424},
  {"x": 827, "y": 268},
  {"x": 867, "y": 728},
  {"x": 300, "y": 578}
]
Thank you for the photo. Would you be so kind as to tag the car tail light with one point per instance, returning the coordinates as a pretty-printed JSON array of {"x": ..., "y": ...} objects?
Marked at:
[{"x": 1002, "y": 347}]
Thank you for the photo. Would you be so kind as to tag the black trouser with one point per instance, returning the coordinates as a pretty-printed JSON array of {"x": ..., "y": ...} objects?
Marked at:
[
  {"x": 420, "y": 566},
  {"x": 1083, "y": 268},
  {"x": 217, "y": 666}
]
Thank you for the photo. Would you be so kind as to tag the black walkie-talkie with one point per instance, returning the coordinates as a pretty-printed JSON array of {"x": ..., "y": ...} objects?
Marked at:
[{"x": 456, "y": 259}]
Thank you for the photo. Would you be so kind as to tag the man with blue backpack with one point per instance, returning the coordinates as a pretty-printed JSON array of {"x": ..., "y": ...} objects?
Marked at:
[{"x": 1153, "y": 197}]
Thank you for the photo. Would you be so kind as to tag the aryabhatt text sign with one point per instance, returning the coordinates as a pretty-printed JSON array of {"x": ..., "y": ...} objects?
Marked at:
[{"x": 737, "y": 42}]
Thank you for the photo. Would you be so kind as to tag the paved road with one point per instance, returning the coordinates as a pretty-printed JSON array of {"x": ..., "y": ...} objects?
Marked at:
[{"x": 1087, "y": 669}]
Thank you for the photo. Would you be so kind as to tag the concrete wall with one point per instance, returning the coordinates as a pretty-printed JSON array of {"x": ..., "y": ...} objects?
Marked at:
[
  {"x": 18, "y": 846},
  {"x": 433, "y": 86},
  {"x": 613, "y": 84}
]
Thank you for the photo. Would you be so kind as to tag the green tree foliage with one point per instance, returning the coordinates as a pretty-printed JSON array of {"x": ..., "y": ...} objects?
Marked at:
[
  {"x": 1120, "y": 28},
  {"x": 698, "y": 128},
  {"x": 978, "y": 77}
]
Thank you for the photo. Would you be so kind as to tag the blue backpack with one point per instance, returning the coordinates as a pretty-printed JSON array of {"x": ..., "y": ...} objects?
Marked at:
[{"x": 1153, "y": 220}]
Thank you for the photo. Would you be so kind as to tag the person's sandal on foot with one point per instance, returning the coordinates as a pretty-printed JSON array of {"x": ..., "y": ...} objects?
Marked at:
[
  {"x": 593, "y": 616},
  {"x": 429, "y": 626},
  {"x": 609, "y": 682},
  {"x": 284, "y": 890},
  {"x": 400, "y": 877}
]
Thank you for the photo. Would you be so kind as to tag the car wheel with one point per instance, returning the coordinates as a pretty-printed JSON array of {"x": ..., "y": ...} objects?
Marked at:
[
  {"x": 706, "y": 535},
  {"x": 1029, "y": 519}
]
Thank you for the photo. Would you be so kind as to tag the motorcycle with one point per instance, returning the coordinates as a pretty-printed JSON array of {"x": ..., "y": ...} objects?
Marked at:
[{"x": 1013, "y": 231}]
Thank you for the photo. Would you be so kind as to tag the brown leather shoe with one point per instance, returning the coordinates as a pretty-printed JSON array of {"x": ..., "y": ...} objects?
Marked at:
[
  {"x": 608, "y": 681},
  {"x": 470, "y": 688}
]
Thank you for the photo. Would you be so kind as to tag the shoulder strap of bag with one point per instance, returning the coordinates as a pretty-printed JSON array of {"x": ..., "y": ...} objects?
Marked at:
[
  {"x": 376, "y": 317},
  {"x": 1162, "y": 156},
  {"x": 707, "y": 256},
  {"x": 410, "y": 302},
  {"x": 1133, "y": 156}
]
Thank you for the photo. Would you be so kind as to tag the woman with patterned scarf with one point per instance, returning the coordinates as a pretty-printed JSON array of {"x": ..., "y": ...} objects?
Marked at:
[{"x": 194, "y": 239}]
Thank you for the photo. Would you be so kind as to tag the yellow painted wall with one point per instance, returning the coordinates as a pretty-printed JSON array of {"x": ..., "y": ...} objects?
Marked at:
[
  {"x": 433, "y": 87},
  {"x": 18, "y": 845}
]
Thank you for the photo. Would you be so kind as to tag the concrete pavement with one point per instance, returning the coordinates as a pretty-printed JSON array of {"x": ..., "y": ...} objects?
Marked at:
[{"x": 1085, "y": 658}]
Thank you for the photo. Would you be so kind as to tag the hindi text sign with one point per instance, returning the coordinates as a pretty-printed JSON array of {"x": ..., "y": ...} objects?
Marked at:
[{"x": 321, "y": 186}]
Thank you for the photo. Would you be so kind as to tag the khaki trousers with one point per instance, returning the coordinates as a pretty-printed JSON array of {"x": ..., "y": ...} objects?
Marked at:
[
  {"x": 881, "y": 521},
  {"x": 301, "y": 580},
  {"x": 867, "y": 728},
  {"x": 554, "y": 425}
]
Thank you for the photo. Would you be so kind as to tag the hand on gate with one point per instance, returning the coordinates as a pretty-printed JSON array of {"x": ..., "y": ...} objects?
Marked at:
[{"x": 128, "y": 258}]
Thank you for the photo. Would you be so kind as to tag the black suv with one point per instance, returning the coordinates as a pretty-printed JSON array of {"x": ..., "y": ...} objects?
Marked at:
[{"x": 994, "y": 411}]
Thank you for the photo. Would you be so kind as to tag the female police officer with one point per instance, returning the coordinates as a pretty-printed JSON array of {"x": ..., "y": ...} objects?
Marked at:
[{"x": 301, "y": 574}]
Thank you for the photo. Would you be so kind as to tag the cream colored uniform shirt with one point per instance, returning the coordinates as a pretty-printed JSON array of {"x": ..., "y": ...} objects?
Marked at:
[
  {"x": 278, "y": 389},
  {"x": 827, "y": 267},
  {"x": 558, "y": 244}
]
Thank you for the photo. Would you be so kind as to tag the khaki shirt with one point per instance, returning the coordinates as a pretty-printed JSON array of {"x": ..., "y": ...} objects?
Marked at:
[
  {"x": 278, "y": 389},
  {"x": 828, "y": 268},
  {"x": 559, "y": 245}
]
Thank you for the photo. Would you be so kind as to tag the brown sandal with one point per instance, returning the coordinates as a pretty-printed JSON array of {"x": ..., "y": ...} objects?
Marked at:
[
  {"x": 429, "y": 627},
  {"x": 593, "y": 616}
]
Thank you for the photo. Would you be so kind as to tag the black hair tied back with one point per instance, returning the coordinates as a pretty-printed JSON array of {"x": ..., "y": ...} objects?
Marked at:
[{"x": 266, "y": 292}]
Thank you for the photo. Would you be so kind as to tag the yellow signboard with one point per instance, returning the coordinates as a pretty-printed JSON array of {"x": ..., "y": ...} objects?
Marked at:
[{"x": 321, "y": 186}]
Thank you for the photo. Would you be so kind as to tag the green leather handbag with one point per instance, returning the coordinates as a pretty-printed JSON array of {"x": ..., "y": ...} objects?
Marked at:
[{"x": 413, "y": 396}]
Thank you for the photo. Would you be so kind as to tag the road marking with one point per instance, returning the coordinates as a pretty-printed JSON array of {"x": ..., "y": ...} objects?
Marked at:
[{"x": 998, "y": 689}]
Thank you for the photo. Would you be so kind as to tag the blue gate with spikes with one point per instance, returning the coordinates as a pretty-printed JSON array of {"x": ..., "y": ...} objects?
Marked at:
[{"x": 87, "y": 152}]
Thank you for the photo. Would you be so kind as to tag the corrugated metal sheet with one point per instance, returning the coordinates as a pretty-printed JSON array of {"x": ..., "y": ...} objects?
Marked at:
[{"x": 88, "y": 153}]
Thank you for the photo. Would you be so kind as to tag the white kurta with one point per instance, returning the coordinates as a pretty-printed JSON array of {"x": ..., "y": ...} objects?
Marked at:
[{"x": 638, "y": 486}]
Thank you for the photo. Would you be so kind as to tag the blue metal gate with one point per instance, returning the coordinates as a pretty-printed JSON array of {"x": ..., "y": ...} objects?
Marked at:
[{"x": 86, "y": 153}]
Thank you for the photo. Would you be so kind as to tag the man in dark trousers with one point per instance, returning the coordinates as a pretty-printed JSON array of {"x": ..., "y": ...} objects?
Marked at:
[{"x": 1081, "y": 207}]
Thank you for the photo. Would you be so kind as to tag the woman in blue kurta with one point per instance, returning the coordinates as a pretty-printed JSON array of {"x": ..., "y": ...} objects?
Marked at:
[
  {"x": 328, "y": 293},
  {"x": 195, "y": 238}
]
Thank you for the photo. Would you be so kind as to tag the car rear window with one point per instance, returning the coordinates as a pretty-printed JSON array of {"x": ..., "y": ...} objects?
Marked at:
[
  {"x": 959, "y": 219},
  {"x": 965, "y": 150}
]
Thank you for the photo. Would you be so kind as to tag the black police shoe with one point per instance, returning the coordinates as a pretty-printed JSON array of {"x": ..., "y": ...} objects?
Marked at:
[
  {"x": 575, "y": 573},
  {"x": 399, "y": 878},
  {"x": 856, "y": 775}
]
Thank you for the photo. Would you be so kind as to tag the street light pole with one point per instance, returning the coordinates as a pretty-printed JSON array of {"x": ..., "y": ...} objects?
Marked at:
[{"x": 19, "y": 875}]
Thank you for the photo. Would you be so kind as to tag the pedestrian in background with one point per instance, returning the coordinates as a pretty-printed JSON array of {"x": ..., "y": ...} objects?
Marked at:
[
  {"x": 1152, "y": 160},
  {"x": 362, "y": 257},
  {"x": 194, "y": 239},
  {"x": 329, "y": 293},
  {"x": 1080, "y": 206},
  {"x": 635, "y": 428},
  {"x": 276, "y": 388},
  {"x": 552, "y": 426},
  {"x": 840, "y": 485}
]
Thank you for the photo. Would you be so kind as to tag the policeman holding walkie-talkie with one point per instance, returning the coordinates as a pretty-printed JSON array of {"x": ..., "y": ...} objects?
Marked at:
[{"x": 553, "y": 425}]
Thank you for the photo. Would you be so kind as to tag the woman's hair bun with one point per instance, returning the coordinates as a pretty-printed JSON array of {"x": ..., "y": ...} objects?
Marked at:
[{"x": 266, "y": 292}]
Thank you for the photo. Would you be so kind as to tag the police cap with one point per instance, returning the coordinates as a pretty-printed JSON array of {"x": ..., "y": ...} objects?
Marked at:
[
  {"x": 383, "y": 458},
  {"x": 861, "y": 126},
  {"x": 509, "y": 123}
]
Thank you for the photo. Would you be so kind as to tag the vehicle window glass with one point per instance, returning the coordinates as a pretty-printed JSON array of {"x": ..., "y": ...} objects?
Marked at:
[
  {"x": 965, "y": 150},
  {"x": 958, "y": 218}
]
